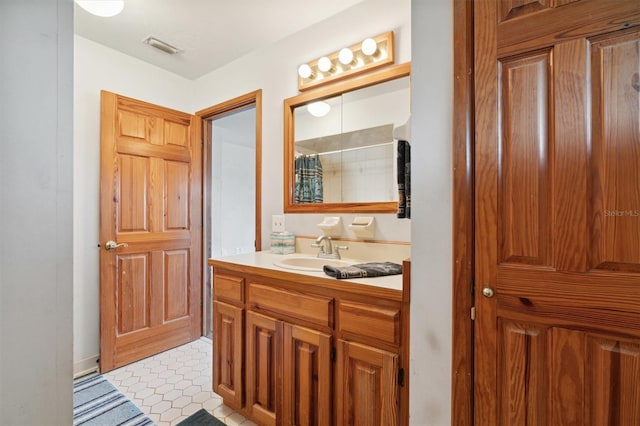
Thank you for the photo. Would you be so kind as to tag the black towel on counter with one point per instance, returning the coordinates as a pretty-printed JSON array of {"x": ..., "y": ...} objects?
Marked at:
[{"x": 363, "y": 270}]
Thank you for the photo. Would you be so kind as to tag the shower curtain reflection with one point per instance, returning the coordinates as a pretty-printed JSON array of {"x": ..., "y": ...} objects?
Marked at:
[{"x": 308, "y": 179}]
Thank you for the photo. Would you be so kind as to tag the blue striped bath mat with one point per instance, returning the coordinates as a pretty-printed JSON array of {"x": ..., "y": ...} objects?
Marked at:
[{"x": 96, "y": 402}]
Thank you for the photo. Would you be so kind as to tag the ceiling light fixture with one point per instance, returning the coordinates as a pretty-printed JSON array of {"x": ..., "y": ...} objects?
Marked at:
[
  {"x": 369, "y": 54},
  {"x": 102, "y": 8},
  {"x": 159, "y": 44}
]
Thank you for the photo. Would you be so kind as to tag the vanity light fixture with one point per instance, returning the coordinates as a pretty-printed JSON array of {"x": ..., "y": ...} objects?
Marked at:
[
  {"x": 369, "y": 47},
  {"x": 102, "y": 8},
  {"x": 345, "y": 56},
  {"x": 319, "y": 108},
  {"x": 325, "y": 64},
  {"x": 305, "y": 71},
  {"x": 367, "y": 55}
]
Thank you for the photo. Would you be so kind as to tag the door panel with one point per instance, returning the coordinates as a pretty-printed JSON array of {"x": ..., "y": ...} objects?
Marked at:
[
  {"x": 133, "y": 291},
  {"x": 264, "y": 336},
  {"x": 557, "y": 212},
  {"x": 150, "y": 203},
  {"x": 525, "y": 200},
  {"x": 615, "y": 64},
  {"x": 176, "y": 279},
  {"x": 177, "y": 195},
  {"x": 582, "y": 365},
  {"x": 228, "y": 353},
  {"x": 367, "y": 385},
  {"x": 306, "y": 377}
]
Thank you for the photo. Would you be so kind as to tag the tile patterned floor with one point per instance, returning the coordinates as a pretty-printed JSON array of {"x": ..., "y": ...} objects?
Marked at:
[{"x": 170, "y": 386}]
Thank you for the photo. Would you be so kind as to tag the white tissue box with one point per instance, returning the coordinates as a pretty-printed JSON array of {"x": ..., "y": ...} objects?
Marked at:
[{"x": 283, "y": 243}]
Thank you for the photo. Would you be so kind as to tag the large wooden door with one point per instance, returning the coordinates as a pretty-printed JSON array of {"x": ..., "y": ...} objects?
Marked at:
[
  {"x": 557, "y": 248},
  {"x": 150, "y": 286}
]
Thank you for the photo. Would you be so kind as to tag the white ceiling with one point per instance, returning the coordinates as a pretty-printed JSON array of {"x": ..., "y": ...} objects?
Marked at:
[{"x": 211, "y": 33}]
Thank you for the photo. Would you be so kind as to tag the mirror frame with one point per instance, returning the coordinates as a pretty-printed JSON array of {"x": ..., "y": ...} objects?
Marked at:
[{"x": 338, "y": 88}]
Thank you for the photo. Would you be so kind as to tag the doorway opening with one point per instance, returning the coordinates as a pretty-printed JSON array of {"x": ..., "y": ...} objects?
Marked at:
[{"x": 231, "y": 193}]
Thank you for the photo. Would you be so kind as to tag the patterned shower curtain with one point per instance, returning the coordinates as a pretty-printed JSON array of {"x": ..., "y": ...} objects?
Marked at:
[{"x": 308, "y": 177}]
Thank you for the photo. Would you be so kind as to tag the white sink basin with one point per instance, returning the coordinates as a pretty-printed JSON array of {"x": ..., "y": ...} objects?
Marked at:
[{"x": 309, "y": 263}]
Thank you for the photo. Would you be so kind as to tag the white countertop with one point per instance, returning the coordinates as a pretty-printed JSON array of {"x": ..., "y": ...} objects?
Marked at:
[{"x": 268, "y": 260}]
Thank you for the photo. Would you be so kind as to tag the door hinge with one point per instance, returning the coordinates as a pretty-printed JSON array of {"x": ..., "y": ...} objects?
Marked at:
[
  {"x": 473, "y": 313},
  {"x": 401, "y": 377},
  {"x": 332, "y": 354}
]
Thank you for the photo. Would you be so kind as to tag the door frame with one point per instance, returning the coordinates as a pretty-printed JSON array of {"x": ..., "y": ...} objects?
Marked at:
[
  {"x": 462, "y": 374},
  {"x": 249, "y": 99}
]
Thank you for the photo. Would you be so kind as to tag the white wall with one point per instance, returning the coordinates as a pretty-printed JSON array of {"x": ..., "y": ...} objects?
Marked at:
[
  {"x": 274, "y": 70},
  {"x": 431, "y": 276},
  {"x": 97, "y": 68},
  {"x": 36, "y": 124},
  {"x": 233, "y": 192}
]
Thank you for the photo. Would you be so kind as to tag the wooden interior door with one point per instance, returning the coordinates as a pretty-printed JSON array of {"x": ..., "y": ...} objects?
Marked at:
[
  {"x": 150, "y": 203},
  {"x": 557, "y": 171}
]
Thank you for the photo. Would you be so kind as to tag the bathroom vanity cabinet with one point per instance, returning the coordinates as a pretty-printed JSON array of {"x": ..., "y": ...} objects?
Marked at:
[{"x": 294, "y": 348}]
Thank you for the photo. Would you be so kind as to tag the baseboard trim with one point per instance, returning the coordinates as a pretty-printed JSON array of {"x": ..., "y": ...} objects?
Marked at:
[{"x": 86, "y": 366}]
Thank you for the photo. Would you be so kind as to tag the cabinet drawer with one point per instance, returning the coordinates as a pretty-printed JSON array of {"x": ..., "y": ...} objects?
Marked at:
[
  {"x": 314, "y": 309},
  {"x": 228, "y": 287},
  {"x": 379, "y": 323}
]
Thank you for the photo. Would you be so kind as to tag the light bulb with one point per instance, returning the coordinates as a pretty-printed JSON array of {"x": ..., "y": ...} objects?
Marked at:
[
  {"x": 369, "y": 47},
  {"x": 324, "y": 64},
  {"x": 318, "y": 109},
  {"x": 305, "y": 71},
  {"x": 345, "y": 56},
  {"x": 103, "y": 8}
]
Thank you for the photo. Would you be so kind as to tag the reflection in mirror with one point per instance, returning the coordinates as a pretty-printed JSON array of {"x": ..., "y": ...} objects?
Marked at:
[{"x": 343, "y": 157}]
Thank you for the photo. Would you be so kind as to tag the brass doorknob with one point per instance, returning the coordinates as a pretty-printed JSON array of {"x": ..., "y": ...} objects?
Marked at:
[
  {"x": 488, "y": 292},
  {"x": 112, "y": 245}
]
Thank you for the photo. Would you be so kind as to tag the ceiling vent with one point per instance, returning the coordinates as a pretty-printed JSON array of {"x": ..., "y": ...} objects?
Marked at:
[{"x": 161, "y": 45}]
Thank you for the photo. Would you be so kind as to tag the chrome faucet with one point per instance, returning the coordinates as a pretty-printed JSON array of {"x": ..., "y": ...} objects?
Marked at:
[{"x": 326, "y": 248}]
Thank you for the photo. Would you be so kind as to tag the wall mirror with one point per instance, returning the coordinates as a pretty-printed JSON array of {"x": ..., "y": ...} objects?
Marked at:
[{"x": 339, "y": 146}]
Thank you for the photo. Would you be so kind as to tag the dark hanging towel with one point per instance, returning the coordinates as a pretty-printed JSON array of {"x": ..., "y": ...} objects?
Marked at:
[{"x": 404, "y": 179}]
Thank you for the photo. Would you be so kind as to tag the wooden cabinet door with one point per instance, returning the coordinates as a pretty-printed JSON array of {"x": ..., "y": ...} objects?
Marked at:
[
  {"x": 264, "y": 340},
  {"x": 367, "y": 386},
  {"x": 227, "y": 353},
  {"x": 306, "y": 376},
  {"x": 557, "y": 212}
]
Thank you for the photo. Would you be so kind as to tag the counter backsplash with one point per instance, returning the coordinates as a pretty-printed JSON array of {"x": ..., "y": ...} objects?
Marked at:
[{"x": 361, "y": 250}]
